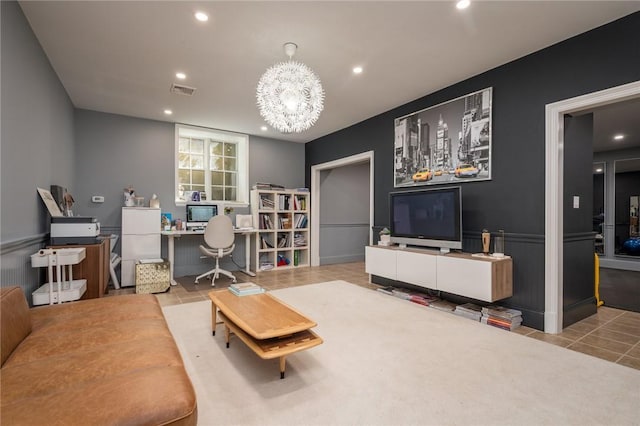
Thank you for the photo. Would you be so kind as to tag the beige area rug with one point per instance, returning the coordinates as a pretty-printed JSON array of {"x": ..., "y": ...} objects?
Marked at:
[{"x": 387, "y": 361}]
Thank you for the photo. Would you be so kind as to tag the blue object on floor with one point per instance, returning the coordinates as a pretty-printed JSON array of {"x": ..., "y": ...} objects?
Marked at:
[{"x": 632, "y": 245}]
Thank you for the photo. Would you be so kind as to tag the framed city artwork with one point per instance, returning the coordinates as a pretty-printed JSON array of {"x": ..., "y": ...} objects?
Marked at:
[{"x": 445, "y": 143}]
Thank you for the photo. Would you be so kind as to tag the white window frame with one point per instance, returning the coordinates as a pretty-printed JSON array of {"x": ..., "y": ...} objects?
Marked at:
[{"x": 242, "y": 156}]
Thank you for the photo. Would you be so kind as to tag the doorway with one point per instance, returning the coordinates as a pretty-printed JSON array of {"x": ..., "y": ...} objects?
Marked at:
[
  {"x": 317, "y": 172},
  {"x": 554, "y": 191}
]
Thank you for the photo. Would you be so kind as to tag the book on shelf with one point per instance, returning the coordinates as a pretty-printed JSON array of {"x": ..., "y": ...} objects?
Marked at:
[
  {"x": 401, "y": 294},
  {"x": 469, "y": 310},
  {"x": 266, "y": 266},
  {"x": 470, "y": 307},
  {"x": 299, "y": 202},
  {"x": 299, "y": 240},
  {"x": 265, "y": 222},
  {"x": 285, "y": 222},
  {"x": 283, "y": 240},
  {"x": 420, "y": 300},
  {"x": 501, "y": 317},
  {"x": 469, "y": 315},
  {"x": 264, "y": 244},
  {"x": 267, "y": 186},
  {"x": 443, "y": 305},
  {"x": 286, "y": 202},
  {"x": 505, "y": 325},
  {"x": 266, "y": 203},
  {"x": 300, "y": 220},
  {"x": 501, "y": 311},
  {"x": 502, "y": 321}
]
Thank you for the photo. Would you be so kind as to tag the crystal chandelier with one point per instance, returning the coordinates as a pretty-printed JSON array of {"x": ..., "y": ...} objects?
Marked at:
[{"x": 290, "y": 96}]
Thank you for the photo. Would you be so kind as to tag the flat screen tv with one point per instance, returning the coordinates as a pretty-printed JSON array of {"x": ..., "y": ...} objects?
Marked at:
[{"x": 429, "y": 218}]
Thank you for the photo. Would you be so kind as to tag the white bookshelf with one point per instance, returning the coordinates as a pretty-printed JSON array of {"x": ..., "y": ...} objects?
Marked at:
[{"x": 282, "y": 219}]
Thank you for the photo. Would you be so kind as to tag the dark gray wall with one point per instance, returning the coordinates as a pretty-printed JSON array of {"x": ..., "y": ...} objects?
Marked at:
[
  {"x": 578, "y": 248},
  {"x": 344, "y": 213},
  {"x": 114, "y": 151},
  {"x": 276, "y": 161},
  {"x": 37, "y": 128},
  {"x": 514, "y": 199},
  {"x": 45, "y": 141},
  {"x": 36, "y": 147}
]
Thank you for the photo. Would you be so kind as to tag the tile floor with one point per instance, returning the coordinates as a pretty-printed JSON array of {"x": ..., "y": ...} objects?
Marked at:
[{"x": 610, "y": 334}]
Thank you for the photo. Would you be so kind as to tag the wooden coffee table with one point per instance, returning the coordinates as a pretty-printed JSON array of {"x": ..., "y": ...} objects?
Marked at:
[{"x": 265, "y": 324}]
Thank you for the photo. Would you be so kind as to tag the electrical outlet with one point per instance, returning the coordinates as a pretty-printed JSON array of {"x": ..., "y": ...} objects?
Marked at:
[{"x": 97, "y": 199}]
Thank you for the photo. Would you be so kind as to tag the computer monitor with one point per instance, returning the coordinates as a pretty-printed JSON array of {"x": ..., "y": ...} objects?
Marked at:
[{"x": 199, "y": 214}]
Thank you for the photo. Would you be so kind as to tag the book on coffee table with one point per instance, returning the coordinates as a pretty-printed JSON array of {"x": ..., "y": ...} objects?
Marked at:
[{"x": 245, "y": 289}]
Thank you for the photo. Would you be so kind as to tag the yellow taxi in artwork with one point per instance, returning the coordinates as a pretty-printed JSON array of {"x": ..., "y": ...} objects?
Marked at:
[
  {"x": 466, "y": 170},
  {"x": 422, "y": 175}
]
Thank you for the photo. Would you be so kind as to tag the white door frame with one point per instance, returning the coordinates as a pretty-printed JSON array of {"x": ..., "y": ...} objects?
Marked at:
[
  {"x": 554, "y": 187},
  {"x": 365, "y": 157}
]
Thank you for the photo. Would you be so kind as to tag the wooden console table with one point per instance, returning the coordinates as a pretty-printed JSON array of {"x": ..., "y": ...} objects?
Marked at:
[{"x": 483, "y": 278}]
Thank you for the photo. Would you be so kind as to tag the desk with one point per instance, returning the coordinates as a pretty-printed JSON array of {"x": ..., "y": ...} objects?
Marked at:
[{"x": 172, "y": 235}]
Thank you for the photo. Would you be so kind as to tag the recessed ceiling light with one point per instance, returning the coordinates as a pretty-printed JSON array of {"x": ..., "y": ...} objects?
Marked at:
[
  {"x": 181, "y": 75},
  {"x": 264, "y": 128},
  {"x": 202, "y": 17},
  {"x": 598, "y": 170},
  {"x": 168, "y": 112},
  {"x": 618, "y": 137},
  {"x": 357, "y": 70},
  {"x": 463, "y": 4}
]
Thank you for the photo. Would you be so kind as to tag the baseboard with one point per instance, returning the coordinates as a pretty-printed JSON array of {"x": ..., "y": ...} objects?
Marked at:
[
  {"x": 579, "y": 311},
  {"x": 330, "y": 260}
]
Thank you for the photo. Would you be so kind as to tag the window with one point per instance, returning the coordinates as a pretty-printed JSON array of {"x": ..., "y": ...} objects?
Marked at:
[{"x": 213, "y": 163}]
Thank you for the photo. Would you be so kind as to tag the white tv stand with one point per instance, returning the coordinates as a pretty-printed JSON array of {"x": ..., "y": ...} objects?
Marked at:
[{"x": 482, "y": 278}]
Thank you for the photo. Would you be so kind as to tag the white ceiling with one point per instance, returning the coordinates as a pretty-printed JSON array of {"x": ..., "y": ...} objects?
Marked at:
[{"x": 121, "y": 57}]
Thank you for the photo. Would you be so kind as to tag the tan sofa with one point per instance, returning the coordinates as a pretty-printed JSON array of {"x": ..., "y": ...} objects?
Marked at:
[{"x": 108, "y": 361}]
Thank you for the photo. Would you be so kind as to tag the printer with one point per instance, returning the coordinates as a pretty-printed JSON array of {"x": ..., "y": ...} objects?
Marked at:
[{"x": 74, "y": 230}]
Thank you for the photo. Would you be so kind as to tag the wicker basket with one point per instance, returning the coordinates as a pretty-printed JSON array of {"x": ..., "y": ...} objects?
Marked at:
[{"x": 153, "y": 277}]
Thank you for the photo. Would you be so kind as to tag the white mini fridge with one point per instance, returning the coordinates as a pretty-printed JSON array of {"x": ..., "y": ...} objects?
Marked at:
[{"x": 141, "y": 228}]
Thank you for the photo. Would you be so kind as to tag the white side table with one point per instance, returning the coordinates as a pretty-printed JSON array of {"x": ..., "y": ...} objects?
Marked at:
[{"x": 67, "y": 290}]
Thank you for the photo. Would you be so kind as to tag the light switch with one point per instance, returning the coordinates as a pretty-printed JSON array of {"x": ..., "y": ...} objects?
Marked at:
[
  {"x": 97, "y": 199},
  {"x": 576, "y": 202}
]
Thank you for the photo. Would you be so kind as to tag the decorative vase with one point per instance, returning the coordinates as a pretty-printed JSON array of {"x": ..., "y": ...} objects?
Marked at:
[{"x": 486, "y": 241}]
